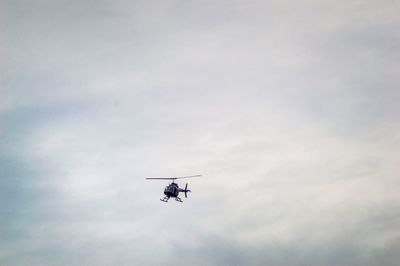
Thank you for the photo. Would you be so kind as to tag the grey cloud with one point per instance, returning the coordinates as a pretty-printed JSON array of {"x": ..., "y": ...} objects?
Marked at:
[{"x": 287, "y": 109}]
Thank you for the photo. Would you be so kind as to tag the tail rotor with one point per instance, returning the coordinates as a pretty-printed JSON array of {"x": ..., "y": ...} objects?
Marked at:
[{"x": 186, "y": 190}]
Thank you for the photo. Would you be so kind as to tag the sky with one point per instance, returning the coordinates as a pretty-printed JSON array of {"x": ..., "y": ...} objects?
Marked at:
[{"x": 289, "y": 110}]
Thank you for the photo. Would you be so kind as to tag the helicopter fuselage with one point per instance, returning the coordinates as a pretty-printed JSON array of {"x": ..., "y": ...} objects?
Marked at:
[{"x": 172, "y": 190}]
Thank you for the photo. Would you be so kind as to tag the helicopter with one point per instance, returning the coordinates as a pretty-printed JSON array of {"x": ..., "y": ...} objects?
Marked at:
[{"x": 172, "y": 190}]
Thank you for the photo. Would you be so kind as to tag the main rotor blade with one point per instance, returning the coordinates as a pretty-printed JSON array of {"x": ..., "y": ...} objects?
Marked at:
[
  {"x": 179, "y": 177},
  {"x": 171, "y": 178},
  {"x": 160, "y": 178}
]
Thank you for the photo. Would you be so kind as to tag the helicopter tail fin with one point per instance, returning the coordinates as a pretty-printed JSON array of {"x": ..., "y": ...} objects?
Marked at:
[{"x": 186, "y": 190}]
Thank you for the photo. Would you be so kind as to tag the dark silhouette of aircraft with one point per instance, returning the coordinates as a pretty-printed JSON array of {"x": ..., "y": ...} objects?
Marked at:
[{"x": 173, "y": 190}]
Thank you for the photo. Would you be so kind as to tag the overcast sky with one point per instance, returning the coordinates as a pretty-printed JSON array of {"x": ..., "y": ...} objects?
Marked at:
[{"x": 289, "y": 110}]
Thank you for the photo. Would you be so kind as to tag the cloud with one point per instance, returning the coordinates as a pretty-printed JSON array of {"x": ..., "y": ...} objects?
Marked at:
[{"x": 287, "y": 109}]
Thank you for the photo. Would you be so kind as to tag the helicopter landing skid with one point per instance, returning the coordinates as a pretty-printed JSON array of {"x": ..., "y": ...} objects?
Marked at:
[
  {"x": 165, "y": 199},
  {"x": 178, "y": 199}
]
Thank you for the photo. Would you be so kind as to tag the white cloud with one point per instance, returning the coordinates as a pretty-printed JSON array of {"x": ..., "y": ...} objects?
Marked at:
[{"x": 279, "y": 105}]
